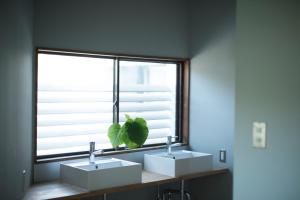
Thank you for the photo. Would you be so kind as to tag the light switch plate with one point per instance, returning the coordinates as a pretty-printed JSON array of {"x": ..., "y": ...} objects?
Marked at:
[{"x": 259, "y": 134}]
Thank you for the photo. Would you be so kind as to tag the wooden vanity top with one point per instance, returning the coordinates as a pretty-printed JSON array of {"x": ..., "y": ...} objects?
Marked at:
[{"x": 59, "y": 190}]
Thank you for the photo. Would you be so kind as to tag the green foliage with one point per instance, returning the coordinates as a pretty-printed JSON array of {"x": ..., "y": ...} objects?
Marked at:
[
  {"x": 114, "y": 136},
  {"x": 133, "y": 133}
]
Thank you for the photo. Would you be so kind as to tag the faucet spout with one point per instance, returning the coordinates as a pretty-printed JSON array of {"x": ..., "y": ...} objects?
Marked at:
[
  {"x": 94, "y": 153},
  {"x": 169, "y": 144}
]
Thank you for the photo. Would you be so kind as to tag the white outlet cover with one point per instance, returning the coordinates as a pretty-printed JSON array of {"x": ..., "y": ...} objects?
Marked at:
[{"x": 259, "y": 134}]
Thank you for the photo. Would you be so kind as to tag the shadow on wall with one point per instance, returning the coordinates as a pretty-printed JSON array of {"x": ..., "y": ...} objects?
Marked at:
[
  {"x": 212, "y": 100},
  {"x": 208, "y": 22}
]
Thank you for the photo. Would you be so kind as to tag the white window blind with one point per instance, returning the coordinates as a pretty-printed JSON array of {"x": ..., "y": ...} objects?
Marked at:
[
  {"x": 75, "y": 101},
  {"x": 152, "y": 88}
]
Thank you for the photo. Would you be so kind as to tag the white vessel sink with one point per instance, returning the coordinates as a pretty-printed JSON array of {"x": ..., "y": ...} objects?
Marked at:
[
  {"x": 179, "y": 163},
  {"x": 104, "y": 173}
]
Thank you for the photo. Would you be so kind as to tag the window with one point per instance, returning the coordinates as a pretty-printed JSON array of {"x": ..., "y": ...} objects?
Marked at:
[
  {"x": 79, "y": 95},
  {"x": 148, "y": 90}
]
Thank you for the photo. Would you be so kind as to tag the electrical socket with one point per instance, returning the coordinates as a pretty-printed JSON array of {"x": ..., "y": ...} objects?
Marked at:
[{"x": 222, "y": 155}]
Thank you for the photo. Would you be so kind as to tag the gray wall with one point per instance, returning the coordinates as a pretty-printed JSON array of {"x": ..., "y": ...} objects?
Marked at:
[
  {"x": 16, "y": 96},
  {"x": 160, "y": 30},
  {"x": 267, "y": 80},
  {"x": 268, "y": 89},
  {"x": 203, "y": 30},
  {"x": 144, "y": 27},
  {"x": 212, "y": 101},
  {"x": 141, "y": 27}
]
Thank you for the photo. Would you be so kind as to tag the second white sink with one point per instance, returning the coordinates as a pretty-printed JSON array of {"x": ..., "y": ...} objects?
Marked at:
[
  {"x": 179, "y": 163},
  {"x": 104, "y": 173}
]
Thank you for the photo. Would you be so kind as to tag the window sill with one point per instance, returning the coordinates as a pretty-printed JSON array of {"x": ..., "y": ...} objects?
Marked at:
[{"x": 115, "y": 152}]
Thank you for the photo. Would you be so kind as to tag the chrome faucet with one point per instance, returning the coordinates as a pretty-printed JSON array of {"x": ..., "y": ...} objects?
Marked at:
[
  {"x": 169, "y": 144},
  {"x": 93, "y": 152}
]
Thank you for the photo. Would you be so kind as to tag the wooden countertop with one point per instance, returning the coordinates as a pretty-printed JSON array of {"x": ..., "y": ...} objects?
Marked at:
[{"x": 59, "y": 190}]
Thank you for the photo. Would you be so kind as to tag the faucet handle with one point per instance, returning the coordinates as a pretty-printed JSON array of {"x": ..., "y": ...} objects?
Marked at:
[{"x": 99, "y": 152}]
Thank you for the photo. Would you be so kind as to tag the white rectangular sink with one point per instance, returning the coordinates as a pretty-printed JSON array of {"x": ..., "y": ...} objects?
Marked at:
[
  {"x": 179, "y": 163},
  {"x": 104, "y": 173}
]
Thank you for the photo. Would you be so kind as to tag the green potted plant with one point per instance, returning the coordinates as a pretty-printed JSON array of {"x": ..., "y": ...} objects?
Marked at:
[{"x": 133, "y": 133}]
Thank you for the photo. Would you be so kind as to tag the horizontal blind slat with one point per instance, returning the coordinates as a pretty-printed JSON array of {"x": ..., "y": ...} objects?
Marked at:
[
  {"x": 73, "y": 119},
  {"x": 147, "y": 115},
  {"x": 148, "y": 106},
  {"x": 52, "y": 151},
  {"x": 71, "y": 141},
  {"x": 86, "y": 129},
  {"x": 72, "y": 130},
  {"x": 92, "y": 118},
  {"x": 159, "y": 133},
  {"x": 156, "y": 124},
  {"x": 41, "y": 152},
  {"x": 61, "y": 97},
  {"x": 144, "y": 88},
  {"x": 101, "y": 88},
  {"x": 82, "y": 140},
  {"x": 81, "y": 97},
  {"x": 70, "y": 108},
  {"x": 156, "y": 140},
  {"x": 73, "y": 87},
  {"x": 145, "y": 97}
]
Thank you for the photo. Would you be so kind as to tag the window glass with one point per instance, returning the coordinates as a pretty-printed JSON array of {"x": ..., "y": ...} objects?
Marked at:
[
  {"x": 148, "y": 90},
  {"x": 74, "y": 103},
  {"x": 75, "y": 100}
]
